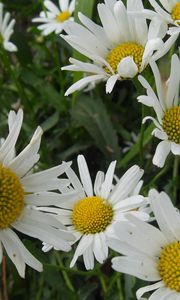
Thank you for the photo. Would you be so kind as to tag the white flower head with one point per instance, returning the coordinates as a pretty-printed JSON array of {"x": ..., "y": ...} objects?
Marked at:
[
  {"x": 167, "y": 108},
  {"x": 169, "y": 11},
  {"x": 21, "y": 193},
  {"x": 55, "y": 17},
  {"x": 90, "y": 212},
  {"x": 6, "y": 30},
  {"x": 119, "y": 49},
  {"x": 152, "y": 254}
]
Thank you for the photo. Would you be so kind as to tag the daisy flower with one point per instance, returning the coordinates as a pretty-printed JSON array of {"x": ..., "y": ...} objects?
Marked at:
[
  {"x": 90, "y": 212},
  {"x": 119, "y": 49},
  {"x": 167, "y": 109},
  {"x": 6, "y": 30},
  {"x": 54, "y": 18},
  {"x": 21, "y": 193},
  {"x": 170, "y": 13},
  {"x": 152, "y": 254}
]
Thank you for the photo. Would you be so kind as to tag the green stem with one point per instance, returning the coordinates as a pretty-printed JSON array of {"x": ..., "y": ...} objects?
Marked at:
[
  {"x": 119, "y": 287},
  {"x": 175, "y": 174},
  {"x": 141, "y": 139},
  {"x": 155, "y": 178},
  {"x": 102, "y": 281},
  {"x": 64, "y": 273},
  {"x": 10, "y": 70}
]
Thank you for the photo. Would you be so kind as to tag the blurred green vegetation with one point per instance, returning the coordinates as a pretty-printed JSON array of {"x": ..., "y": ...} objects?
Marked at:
[{"x": 94, "y": 124}]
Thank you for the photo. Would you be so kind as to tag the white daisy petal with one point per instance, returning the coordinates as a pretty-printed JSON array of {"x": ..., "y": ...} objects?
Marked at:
[
  {"x": 127, "y": 68},
  {"x": 88, "y": 258},
  {"x": 85, "y": 242},
  {"x": 175, "y": 148},
  {"x": 107, "y": 184},
  {"x": 6, "y": 30},
  {"x": 85, "y": 176},
  {"x": 161, "y": 153},
  {"x": 144, "y": 268},
  {"x": 149, "y": 288},
  {"x": 110, "y": 83},
  {"x": 167, "y": 216}
]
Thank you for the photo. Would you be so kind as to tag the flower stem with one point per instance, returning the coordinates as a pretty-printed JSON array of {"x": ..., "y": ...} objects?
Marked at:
[
  {"x": 175, "y": 174},
  {"x": 141, "y": 139},
  {"x": 4, "y": 282},
  {"x": 10, "y": 70},
  {"x": 64, "y": 273}
]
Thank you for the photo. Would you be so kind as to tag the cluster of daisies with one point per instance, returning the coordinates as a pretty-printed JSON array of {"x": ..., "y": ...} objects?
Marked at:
[{"x": 61, "y": 209}]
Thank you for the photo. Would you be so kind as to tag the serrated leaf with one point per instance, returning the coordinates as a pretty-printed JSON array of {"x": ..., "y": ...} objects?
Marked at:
[{"x": 92, "y": 115}]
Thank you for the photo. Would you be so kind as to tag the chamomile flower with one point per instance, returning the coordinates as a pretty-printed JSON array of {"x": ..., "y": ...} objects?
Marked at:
[
  {"x": 119, "y": 49},
  {"x": 170, "y": 13},
  {"x": 21, "y": 193},
  {"x": 91, "y": 212},
  {"x": 6, "y": 30},
  {"x": 152, "y": 254},
  {"x": 54, "y": 18},
  {"x": 167, "y": 108}
]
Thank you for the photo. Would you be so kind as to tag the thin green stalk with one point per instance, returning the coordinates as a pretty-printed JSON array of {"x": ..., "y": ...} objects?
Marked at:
[
  {"x": 64, "y": 273},
  {"x": 102, "y": 281},
  {"x": 141, "y": 139},
  {"x": 175, "y": 174},
  {"x": 156, "y": 178},
  {"x": 10, "y": 70},
  {"x": 119, "y": 287}
]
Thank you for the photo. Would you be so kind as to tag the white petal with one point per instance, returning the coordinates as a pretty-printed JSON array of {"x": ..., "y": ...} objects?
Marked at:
[
  {"x": 144, "y": 268},
  {"x": 175, "y": 148},
  {"x": 111, "y": 83},
  {"x": 107, "y": 184},
  {"x": 127, "y": 68},
  {"x": 149, "y": 288},
  {"x": 159, "y": 134},
  {"x": 88, "y": 258},
  {"x": 98, "y": 182},
  {"x": 126, "y": 184},
  {"x": 82, "y": 83},
  {"x": 52, "y": 7},
  {"x": 100, "y": 247},
  {"x": 143, "y": 237},
  {"x": 84, "y": 175},
  {"x": 167, "y": 216},
  {"x": 13, "y": 252},
  {"x": 164, "y": 293},
  {"x": 84, "y": 243},
  {"x": 10, "y": 46},
  {"x": 161, "y": 153}
]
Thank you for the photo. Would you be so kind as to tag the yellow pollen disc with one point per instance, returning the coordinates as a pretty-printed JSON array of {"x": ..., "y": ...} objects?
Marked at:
[
  {"x": 171, "y": 124},
  {"x": 169, "y": 266},
  {"x": 176, "y": 12},
  {"x": 123, "y": 50},
  {"x": 63, "y": 16},
  {"x": 91, "y": 215},
  {"x": 11, "y": 197}
]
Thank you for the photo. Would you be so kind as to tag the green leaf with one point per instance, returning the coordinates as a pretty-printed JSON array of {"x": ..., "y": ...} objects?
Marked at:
[{"x": 92, "y": 115}]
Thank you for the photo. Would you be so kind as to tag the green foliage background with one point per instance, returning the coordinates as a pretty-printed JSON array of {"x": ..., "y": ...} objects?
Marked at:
[{"x": 94, "y": 124}]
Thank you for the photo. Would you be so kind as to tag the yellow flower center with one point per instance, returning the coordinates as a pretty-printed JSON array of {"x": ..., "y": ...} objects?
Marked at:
[
  {"x": 91, "y": 215},
  {"x": 171, "y": 124},
  {"x": 169, "y": 266},
  {"x": 11, "y": 197},
  {"x": 176, "y": 12},
  {"x": 124, "y": 50},
  {"x": 63, "y": 16}
]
